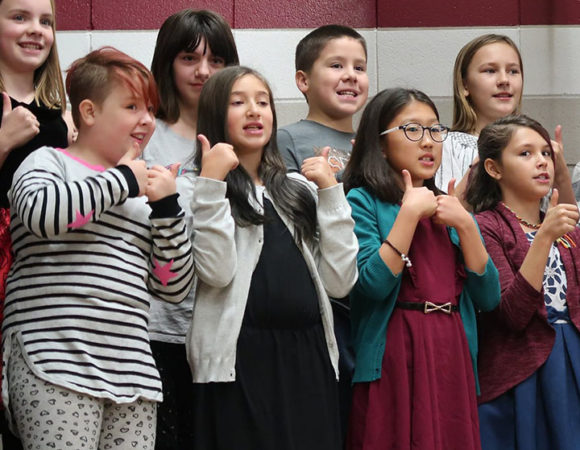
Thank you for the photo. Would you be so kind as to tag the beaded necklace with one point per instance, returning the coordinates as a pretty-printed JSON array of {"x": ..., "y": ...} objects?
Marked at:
[
  {"x": 534, "y": 226},
  {"x": 566, "y": 241}
]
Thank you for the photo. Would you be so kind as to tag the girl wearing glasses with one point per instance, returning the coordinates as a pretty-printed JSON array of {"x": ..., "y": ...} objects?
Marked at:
[
  {"x": 488, "y": 80},
  {"x": 423, "y": 271}
]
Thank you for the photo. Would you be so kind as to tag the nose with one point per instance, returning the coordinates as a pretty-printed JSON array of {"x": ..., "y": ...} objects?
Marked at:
[
  {"x": 542, "y": 160},
  {"x": 34, "y": 27},
  {"x": 503, "y": 77},
  {"x": 426, "y": 140},
  {"x": 202, "y": 70},
  {"x": 349, "y": 73},
  {"x": 147, "y": 118},
  {"x": 253, "y": 110}
]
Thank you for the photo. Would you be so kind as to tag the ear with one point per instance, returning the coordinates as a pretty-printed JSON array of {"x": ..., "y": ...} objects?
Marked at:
[
  {"x": 384, "y": 149},
  {"x": 465, "y": 89},
  {"x": 492, "y": 168},
  {"x": 302, "y": 81},
  {"x": 87, "y": 110}
]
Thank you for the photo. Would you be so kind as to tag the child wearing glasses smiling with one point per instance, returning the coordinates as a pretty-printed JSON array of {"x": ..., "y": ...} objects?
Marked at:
[{"x": 423, "y": 271}]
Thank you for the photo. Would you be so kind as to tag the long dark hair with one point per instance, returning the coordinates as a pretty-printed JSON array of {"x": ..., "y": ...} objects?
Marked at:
[
  {"x": 183, "y": 31},
  {"x": 291, "y": 196},
  {"x": 367, "y": 166},
  {"x": 483, "y": 191}
]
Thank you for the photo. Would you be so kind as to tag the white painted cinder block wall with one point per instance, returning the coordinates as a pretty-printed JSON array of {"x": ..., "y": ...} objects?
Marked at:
[{"x": 412, "y": 57}]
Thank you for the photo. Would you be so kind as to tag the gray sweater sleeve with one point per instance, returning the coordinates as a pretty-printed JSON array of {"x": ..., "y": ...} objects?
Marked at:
[{"x": 214, "y": 247}]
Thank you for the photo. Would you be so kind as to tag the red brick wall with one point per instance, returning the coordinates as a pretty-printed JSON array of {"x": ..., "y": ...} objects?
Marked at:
[{"x": 150, "y": 14}]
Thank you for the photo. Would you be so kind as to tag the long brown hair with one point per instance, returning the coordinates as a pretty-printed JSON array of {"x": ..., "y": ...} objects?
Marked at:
[{"x": 291, "y": 196}]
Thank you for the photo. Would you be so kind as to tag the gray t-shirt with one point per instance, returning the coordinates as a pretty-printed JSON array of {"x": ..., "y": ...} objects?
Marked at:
[
  {"x": 169, "y": 322},
  {"x": 300, "y": 140}
]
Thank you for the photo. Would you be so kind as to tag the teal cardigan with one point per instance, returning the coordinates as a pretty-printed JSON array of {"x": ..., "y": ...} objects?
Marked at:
[{"x": 375, "y": 293}]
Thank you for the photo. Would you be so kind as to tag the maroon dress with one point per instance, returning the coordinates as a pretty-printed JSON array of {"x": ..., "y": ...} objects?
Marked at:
[{"x": 425, "y": 398}]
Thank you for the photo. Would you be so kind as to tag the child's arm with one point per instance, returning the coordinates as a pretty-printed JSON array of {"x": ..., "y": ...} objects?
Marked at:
[
  {"x": 19, "y": 125},
  {"x": 48, "y": 205},
  {"x": 214, "y": 247},
  {"x": 559, "y": 220},
  {"x": 451, "y": 213},
  {"x": 417, "y": 203},
  {"x": 521, "y": 290},
  {"x": 337, "y": 248},
  {"x": 562, "y": 180},
  {"x": 378, "y": 264},
  {"x": 171, "y": 261}
]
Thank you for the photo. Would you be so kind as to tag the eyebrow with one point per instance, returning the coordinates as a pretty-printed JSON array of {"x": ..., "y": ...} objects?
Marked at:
[
  {"x": 245, "y": 93},
  {"x": 26, "y": 11},
  {"x": 435, "y": 121}
]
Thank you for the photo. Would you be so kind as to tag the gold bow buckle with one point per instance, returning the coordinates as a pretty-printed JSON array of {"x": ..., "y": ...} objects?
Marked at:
[{"x": 432, "y": 307}]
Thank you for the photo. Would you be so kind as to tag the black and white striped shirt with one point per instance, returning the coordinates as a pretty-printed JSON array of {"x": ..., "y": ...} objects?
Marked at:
[{"x": 87, "y": 258}]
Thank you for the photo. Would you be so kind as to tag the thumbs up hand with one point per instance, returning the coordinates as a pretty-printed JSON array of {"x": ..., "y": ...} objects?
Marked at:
[
  {"x": 450, "y": 211},
  {"x": 19, "y": 125},
  {"x": 138, "y": 167},
  {"x": 560, "y": 218},
  {"x": 161, "y": 182},
  {"x": 318, "y": 170},
  {"x": 216, "y": 161},
  {"x": 420, "y": 200}
]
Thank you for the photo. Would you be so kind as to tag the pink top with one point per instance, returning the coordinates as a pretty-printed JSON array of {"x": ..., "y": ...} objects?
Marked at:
[{"x": 96, "y": 167}]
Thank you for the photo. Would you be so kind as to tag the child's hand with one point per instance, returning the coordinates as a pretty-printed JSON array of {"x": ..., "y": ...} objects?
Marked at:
[
  {"x": 137, "y": 166},
  {"x": 19, "y": 125},
  {"x": 317, "y": 170},
  {"x": 216, "y": 161},
  {"x": 161, "y": 182},
  {"x": 450, "y": 211},
  {"x": 560, "y": 218},
  {"x": 419, "y": 200}
]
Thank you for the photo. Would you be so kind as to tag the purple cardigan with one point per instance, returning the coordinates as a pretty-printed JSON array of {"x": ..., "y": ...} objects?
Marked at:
[{"x": 516, "y": 338}]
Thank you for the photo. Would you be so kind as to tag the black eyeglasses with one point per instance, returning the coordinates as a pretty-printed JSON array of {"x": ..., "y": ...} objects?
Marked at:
[{"x": 415, "y": 131}]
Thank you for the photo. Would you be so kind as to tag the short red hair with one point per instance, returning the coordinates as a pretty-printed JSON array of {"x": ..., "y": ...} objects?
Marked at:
[{"x": 93, "y": 77}]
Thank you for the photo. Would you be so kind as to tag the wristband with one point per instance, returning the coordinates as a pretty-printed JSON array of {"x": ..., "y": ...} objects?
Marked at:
[{"x": 404, "y": 257}]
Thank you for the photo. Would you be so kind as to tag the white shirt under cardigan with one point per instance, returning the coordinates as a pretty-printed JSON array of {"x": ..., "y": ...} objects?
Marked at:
[
  {"x": 86, "y": 259},
  {"x": 226, "y": 256}
]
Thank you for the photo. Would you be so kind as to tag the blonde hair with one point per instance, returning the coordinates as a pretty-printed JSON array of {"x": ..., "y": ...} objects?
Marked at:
[
  {"x": 48, "y": 84},
  {"x": 464, "y": 115}
]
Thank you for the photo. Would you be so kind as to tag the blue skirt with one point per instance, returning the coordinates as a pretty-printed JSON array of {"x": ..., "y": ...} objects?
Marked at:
[{"x": 542, "y": 412}]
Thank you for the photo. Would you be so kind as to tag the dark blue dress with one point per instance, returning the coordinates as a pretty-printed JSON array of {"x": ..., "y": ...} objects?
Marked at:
[{"x": 542, "y": 412}]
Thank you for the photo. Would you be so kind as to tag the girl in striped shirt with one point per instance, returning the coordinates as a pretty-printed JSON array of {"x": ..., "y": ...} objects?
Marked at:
[{"x": 89, "y": 252}]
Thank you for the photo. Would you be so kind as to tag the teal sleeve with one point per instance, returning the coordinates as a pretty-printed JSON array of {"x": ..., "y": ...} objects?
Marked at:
[{"x": 376, "y": 281}]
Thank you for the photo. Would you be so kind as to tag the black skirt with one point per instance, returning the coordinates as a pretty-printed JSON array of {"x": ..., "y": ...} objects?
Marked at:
[{"x": 285, "y": 394}]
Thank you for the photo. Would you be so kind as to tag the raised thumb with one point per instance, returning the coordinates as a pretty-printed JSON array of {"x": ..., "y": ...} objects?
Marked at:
[
  {"x": 554, "y": 198},
  {"x": 451, "y": 187},
  {"x": 324, "y": 152},
  {"x": 6, "y": 104},
  {"x": 205, "y": 145},
  {"x": 174, "y": 169},
  {"x": 407, "y": 180}
]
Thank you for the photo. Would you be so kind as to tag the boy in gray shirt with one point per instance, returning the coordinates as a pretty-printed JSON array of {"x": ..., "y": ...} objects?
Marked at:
[{"x": 331, "y": 73}]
